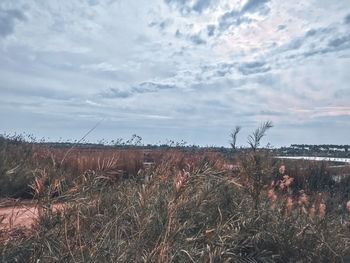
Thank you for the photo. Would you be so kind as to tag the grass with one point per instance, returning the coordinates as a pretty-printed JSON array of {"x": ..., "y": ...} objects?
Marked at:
[{"x": 187, "y": 207}]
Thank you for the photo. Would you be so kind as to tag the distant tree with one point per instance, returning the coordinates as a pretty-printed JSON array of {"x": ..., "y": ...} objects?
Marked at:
[
  {"x": 135, "y": 140},
  {"x": 256, "y": 165},
  {"x": 233, "y": 135},
  {"x": 255, "y": 138}
]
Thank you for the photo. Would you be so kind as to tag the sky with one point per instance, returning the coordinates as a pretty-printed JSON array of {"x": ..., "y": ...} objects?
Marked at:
[{"x": 176, "y": 69}]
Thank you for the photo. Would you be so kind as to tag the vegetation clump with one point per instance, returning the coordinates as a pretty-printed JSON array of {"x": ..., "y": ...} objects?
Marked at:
[{"x": 183, "y": 208}]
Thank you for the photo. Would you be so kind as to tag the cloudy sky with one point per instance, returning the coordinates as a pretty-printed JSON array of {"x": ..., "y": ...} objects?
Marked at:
[{"x": 176, "y": 69}]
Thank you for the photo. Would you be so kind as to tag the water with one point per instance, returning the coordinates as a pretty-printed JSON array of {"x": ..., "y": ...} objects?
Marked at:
[{"x": 313, "y": 158}]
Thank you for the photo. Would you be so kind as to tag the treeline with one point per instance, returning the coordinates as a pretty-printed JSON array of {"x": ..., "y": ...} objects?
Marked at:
[
  {"x": 332, "y": 150},
  {"x": 322, "y": 147}
]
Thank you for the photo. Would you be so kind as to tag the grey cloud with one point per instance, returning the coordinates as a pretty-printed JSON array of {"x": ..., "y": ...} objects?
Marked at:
[
  {"x": 210, "y": 30},
  {"x": 281, "y": 27},
  {"x": 229, "y": 19},
  {"x": 333, "y": 45},
  {"x": 316, "y": 41},
  {"x": 245, "y": 68},
  {"x": 201, "y": 5},
  {"x": 347, "y": 19},
  {"x": 311, "y": 32},
  {"x": 341, "y": 93},
  {"x": 93, "y": 2},
  {"x": 176, "y": 2},
  {"x": 97, "y": 2},
  {"x": 294, "y": 44},
  {"x": 271, "y": 113},
  {"x": 255, "y": 64},
  {"x": 162, "y": 25},
  {"x": 144, "y": 87},
  {"x": 253, "y": 67},
  {"x": 314, "y": 52},
  {"x": 339, "y": 42},
  {"x": 298, "y": 42},
  {"x": 115, "y": 93},
  {"x": 196, "y": 39},
  {"x": 238, "y": 17},
  {"x": 181, "y": 5},
  {"x": 8, "y": 19},
  {"x": 178, "y": 33},
  {"x": 185, "y": 7},
  {"x": 253, "y": 6},
  {"x": 224, "y": 69},
  {"x": 222, "y": 73}
]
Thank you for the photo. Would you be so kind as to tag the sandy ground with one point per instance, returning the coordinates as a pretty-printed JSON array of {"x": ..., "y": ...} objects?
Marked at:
[{"x": 20, "y": 214}]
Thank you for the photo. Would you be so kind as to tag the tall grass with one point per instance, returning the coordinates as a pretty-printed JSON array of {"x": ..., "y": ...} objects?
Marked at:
[{"x": 184, "y": 208}]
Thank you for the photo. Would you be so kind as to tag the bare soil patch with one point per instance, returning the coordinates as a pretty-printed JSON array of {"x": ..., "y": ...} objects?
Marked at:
[{"x": 20, "y": 214}]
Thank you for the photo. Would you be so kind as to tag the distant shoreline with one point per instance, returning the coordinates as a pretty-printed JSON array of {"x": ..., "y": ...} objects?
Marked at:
[{"x": 314, "y": 158}]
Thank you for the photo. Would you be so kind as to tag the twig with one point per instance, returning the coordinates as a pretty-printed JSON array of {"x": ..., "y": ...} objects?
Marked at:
[
  {"x": 188, "y": 254},
  {"x": 75, "y": 144},
  {"x": 66, "y": 236}
]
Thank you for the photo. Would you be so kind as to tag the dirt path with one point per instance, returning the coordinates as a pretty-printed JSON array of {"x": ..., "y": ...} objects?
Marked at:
[{"x": 20, "y": 214}]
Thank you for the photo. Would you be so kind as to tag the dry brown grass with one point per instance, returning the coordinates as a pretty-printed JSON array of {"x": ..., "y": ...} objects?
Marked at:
[{"x": 187, "y": 207}]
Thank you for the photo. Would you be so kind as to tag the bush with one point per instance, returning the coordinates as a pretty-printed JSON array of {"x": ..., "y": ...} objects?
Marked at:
[
  {"x": 195, "y": 215},
  {"x": 15, "y": 167}
]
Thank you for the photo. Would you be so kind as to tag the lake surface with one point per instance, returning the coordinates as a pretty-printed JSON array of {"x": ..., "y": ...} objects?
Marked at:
[{"x": 313, "y": 158}]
